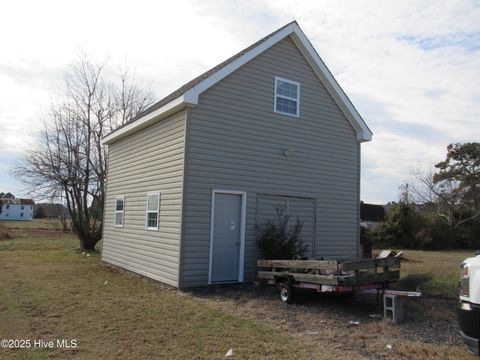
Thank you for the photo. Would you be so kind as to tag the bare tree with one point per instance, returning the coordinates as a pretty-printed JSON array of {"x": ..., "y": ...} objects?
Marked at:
[
  {"x": 69, "y": 161},
  {"x": 445, "y": 197}
]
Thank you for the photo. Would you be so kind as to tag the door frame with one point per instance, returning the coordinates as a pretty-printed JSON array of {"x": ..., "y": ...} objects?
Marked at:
[{"x": 243, "y": 217}]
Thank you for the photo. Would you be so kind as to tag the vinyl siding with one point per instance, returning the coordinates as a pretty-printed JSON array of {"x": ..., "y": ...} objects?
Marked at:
[
  {"x": 148, "y": 161},
  {"x": 236, "y": 142}
]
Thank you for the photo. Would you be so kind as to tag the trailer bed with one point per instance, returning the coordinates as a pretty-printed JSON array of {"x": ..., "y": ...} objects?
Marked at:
[{"x": 349, "y": 274}]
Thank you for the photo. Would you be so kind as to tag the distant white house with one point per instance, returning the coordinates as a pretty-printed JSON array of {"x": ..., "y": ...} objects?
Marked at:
[{"x": 16, "y": 209}]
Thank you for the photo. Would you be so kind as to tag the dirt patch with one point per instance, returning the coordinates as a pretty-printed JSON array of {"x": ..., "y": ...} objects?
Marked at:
[
  {"x": 349, "y": 322},
  {"x": 5, "y": 233}
]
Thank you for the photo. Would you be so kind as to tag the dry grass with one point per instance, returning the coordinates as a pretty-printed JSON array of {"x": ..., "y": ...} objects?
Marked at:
[
  {"x": 4, "y": 232},
  {"x": 49, "y": 291},
  {"x": 435, "y": 272},
  {"x": 35, "y": 224}
]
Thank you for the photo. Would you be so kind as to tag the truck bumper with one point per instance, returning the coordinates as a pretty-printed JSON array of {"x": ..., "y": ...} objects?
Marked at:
[{"x": 469, "y": 323}]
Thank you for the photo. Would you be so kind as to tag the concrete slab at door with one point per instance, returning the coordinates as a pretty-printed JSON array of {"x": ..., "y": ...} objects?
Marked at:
[{"x": 226, "y": 237}]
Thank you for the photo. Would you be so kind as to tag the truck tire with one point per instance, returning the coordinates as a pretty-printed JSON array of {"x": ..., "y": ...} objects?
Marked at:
[{"x": 286, "y": 293}]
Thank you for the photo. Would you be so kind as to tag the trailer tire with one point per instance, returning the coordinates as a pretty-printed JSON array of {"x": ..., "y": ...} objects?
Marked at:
[{"x": 286, "y": 293}]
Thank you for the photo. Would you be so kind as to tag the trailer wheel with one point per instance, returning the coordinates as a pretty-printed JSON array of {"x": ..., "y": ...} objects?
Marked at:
[{"x": 286, "y": 293}]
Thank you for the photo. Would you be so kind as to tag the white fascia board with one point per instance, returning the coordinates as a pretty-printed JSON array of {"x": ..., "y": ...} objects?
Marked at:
[
  {"x": 194, "y": 92},
  {"x": 310, "y": 54},
  {"x": 190, "y": 97},
  {"x": 147, "y": 120},
  {"x": 363, "y": 132}
]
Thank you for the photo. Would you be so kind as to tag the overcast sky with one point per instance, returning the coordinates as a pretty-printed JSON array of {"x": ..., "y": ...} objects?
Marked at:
[{"x": 411, "y": 68}]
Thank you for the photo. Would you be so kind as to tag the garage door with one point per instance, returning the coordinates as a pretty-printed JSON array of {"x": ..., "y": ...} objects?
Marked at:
[{"x": 303, "y": 208}]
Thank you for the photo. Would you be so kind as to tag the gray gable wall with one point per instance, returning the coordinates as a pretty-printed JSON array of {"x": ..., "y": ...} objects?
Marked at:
[{"x": 235, "y": 141}]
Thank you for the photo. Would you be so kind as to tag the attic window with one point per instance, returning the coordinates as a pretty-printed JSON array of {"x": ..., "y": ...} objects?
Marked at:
[{"x": 287, "y": 97}]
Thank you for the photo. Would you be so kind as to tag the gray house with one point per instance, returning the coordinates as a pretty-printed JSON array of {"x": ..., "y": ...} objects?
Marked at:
[{"x": 190, "y": 177}]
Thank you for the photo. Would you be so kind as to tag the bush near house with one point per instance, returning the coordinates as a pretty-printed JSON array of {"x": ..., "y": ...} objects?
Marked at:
[{"x": 277, "y": 239}]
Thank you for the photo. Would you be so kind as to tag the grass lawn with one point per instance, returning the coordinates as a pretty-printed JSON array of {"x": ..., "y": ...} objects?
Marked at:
[
  {"x": 37, "y": 224},
  {"x": 50, "y": 291},
  {"x": 434, "y": 272}
]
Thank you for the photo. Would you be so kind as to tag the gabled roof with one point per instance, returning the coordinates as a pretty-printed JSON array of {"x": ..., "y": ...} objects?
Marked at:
[
  {"x": 188, "y": 94},
  {"x": 15, "y": 201}
]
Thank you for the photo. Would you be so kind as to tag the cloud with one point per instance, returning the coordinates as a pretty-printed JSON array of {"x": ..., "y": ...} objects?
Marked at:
[{"x": 411, "y": 68}]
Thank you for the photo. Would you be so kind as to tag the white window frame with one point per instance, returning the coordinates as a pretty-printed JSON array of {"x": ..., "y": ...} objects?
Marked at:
[
  {"x": 150, "y": 211},
  {"x": 119, "y": 211},
  {"x": 278, "y": 78}
]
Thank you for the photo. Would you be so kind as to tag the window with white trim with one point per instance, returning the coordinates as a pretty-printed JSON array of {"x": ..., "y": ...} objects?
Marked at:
[
  {"x": 153, "y": 209},
  {"x": 119, "y": 210},
  {"x": 287, "y": 97}
]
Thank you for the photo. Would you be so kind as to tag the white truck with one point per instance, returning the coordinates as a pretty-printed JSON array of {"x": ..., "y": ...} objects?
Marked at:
[{"x": 469, "y": 308}]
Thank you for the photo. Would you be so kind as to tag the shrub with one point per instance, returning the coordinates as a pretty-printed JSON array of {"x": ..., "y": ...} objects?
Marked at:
[
  {"x": 39, "y": 213},
  {"x": 367, "y": 239},
  {"x": 404, "y": 228},
  {"x": 277, "y": 239}
]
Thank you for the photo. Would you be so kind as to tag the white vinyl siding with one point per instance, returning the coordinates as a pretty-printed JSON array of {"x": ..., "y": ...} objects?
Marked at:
[
  {"x": 119, "y": 211},
  {"x": 153, "y": 208},
  {"x": 287, "y": 97}
]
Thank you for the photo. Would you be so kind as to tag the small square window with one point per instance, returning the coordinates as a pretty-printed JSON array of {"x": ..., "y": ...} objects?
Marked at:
[
  {"x": 22, "y": 207},
  {"x": 153, "y": 208},
  {"x": 119, "y": 210},
  {"x": 21, "y": 214},
  {"x": 287, "y": 97}
]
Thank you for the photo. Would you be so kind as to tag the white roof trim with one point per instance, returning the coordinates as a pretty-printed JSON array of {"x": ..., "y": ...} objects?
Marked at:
[
  {"x": 342, "y": 100},
  {"x": 194, "y": 92},
  {"x": 147, "y": 120},
  {"x": 190, "y": 97}
]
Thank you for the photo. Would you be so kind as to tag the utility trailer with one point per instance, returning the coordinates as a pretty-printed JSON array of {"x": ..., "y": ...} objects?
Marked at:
[{"x": 372, "y": 276}]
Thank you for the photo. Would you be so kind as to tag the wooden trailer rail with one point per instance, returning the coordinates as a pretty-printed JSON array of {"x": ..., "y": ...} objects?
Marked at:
[{"x": 331, "y": 272}]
